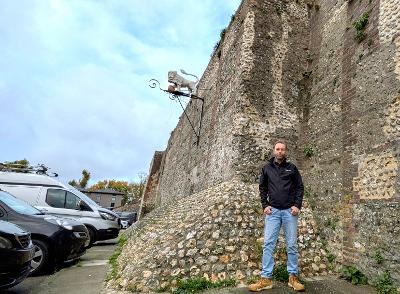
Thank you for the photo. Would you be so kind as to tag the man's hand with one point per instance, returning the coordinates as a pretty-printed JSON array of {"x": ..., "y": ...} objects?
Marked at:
[
  {"x": 268, "y": 210},
  {"x": 294, "y": 210}
]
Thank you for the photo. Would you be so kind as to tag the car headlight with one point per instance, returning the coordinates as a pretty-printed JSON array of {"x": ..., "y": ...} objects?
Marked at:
[
  {"x": 5, "y": 243},
  {"x": 61, "y": 222},
  {"x": 106, "y": 216},
  {"x": 65, "y": 224}
]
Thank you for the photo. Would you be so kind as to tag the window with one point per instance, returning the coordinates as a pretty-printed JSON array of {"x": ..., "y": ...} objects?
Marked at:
[
  {"x": 113, "y": 198},
  {"x": 71, "y": 201},
  {"x": 18, "y": 205},
  {"x": 64, "y": 199},
  {"x": 112, "y": 204},
  {"x": 98, "y": 198},
  {"x": 55, "y": 198}
]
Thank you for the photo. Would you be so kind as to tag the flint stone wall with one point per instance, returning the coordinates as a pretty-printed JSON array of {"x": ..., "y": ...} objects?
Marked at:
[{"x": 294, "y": 70}]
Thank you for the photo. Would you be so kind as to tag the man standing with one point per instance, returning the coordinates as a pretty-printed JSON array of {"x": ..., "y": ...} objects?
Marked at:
[{"x": 281, "y": 192}]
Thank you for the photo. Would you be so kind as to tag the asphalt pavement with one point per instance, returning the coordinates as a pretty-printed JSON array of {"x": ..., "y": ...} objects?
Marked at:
[{"x": 85, "y": 276}]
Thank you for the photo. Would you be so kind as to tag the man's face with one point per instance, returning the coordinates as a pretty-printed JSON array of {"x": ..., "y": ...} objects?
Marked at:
[{"x": 279, "y": 151}]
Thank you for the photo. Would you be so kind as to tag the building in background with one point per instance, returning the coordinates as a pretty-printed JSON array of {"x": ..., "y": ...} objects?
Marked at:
[{"x": 107, "y": 198}]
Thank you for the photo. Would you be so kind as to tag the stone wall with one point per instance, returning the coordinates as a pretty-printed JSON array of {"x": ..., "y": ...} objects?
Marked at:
[
  {"x": 251, "y": 95},
  {"x": 148, "y": 200},
  {"x": 216, "y": 233},
  {"x": 353, "y": 128},
  {"x": 294, "y": 70}
]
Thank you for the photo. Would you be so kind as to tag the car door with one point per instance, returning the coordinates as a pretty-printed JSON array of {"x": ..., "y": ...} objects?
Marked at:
[{"x": 61, "y": 202}]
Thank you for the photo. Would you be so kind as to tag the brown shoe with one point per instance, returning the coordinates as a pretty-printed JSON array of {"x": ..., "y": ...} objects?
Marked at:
[
  {"x": 262, "y": 284},
  {"x": 295, "y": 284}
]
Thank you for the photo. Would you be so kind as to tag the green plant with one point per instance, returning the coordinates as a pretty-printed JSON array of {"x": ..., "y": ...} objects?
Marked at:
[
  {"x": 258, "y": 250},
  {"x": 332, "y": 222},
  {"x": 384, "y": 284},
  {"x": 281, "y": 251},
  {"x": 307, "y": 192},
  {"x": 113, "y": 258},
  {"x": 280, "y": 273},
  {"x": 252, "y": 280},
  {"x": 222, "y": 33},
  {"x": 196, "y": 284},
  {"x": 330, "y": 257},
  {"x": 335, "y": 80},
  {"x": 354, "y": 275},
  {"x": 360, "y": 25},
  {"x": 378, "y": 257},
  {"x": 278, "y": 8},
  {"x": 308, "y": 151}
]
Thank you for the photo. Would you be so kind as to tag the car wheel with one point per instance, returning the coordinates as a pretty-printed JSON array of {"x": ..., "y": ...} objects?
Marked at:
[
  {"x": 40, "y": 261},
  {"x": 92, "y": 236}
]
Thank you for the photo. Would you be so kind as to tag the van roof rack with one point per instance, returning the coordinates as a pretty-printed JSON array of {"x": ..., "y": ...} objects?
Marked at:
[{"x": 39, "y": 169}]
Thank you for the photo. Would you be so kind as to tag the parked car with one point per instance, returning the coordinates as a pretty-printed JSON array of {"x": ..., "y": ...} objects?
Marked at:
[
  {"x": 55, "y": 239},
  {"x": 16, "y": 253},
  {"x": 54, "y": 197},
  {"x": 127, "y": 217},
  {"x": 124, "y": 224}
]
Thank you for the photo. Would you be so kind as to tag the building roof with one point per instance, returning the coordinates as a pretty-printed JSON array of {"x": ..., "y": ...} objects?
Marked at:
[{"x": 102, "y": 191}]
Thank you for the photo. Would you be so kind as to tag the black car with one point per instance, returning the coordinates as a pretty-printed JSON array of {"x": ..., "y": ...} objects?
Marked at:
[
  {"x": 55, "y": 239},
  {"x": 130, "y": 217},
  {"x": 16, "y": 253}
]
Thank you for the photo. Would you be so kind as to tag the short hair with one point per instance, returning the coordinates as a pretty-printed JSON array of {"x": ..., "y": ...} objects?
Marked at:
[{"x": 280, "y": 141}]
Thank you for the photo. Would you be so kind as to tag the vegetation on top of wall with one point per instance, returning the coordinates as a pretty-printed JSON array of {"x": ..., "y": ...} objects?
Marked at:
[
  {"x": 216, "y": 46},
  {"x": 384, "y": 284},
  {"x": 360, "y": 25},
  {"x": 353, "y": 275}
]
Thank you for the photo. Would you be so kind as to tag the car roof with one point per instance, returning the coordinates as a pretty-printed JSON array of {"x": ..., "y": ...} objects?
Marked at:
[{"x": 31, "y": 179}]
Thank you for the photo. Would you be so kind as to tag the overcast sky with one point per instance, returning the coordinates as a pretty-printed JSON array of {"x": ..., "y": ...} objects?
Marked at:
[{"x": 74, "y": 78}]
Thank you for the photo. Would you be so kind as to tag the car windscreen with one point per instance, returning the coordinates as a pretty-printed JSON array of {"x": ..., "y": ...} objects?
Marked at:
[
  {"x": 18, "y": 205},
  {"x": 81, "y": 195}
]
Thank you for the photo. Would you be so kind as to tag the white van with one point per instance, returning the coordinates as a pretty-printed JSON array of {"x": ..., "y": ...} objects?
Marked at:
[{"x": 54, "y": 197}]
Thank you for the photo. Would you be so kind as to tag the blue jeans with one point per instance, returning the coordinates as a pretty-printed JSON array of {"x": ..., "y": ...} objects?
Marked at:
[{"x": 273, "y": 223}]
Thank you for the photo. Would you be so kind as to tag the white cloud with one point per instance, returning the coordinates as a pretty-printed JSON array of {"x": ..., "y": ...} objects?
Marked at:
[{"x": 74, "y": 78}]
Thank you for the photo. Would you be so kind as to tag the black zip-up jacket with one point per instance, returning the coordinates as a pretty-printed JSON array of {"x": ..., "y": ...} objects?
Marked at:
[{"x": 281, "y": 185}]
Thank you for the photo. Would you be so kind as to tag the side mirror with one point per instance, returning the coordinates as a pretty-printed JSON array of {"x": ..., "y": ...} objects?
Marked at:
[{"x": 82, "y": 205}]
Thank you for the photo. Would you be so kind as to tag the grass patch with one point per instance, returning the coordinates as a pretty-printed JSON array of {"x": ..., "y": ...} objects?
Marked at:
[
  {"x": 192, "y": 285},
  {"x": 354, "y": 275},
  {"x": 280, "y": 273},
  {"x": 384, "y": 284},
  {"x": 113, "y": 258},
  {"x": 330, "y": 257},
  {"x": 252, "y": 279}
]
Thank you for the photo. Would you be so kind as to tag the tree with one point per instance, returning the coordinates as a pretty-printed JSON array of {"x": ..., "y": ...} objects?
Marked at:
[
  {"x": 82, "y": 183},
  {"x": 16, "y": 165},
  {"x": 133, "y": 189},
  {"x": 85, "y": 178}
]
